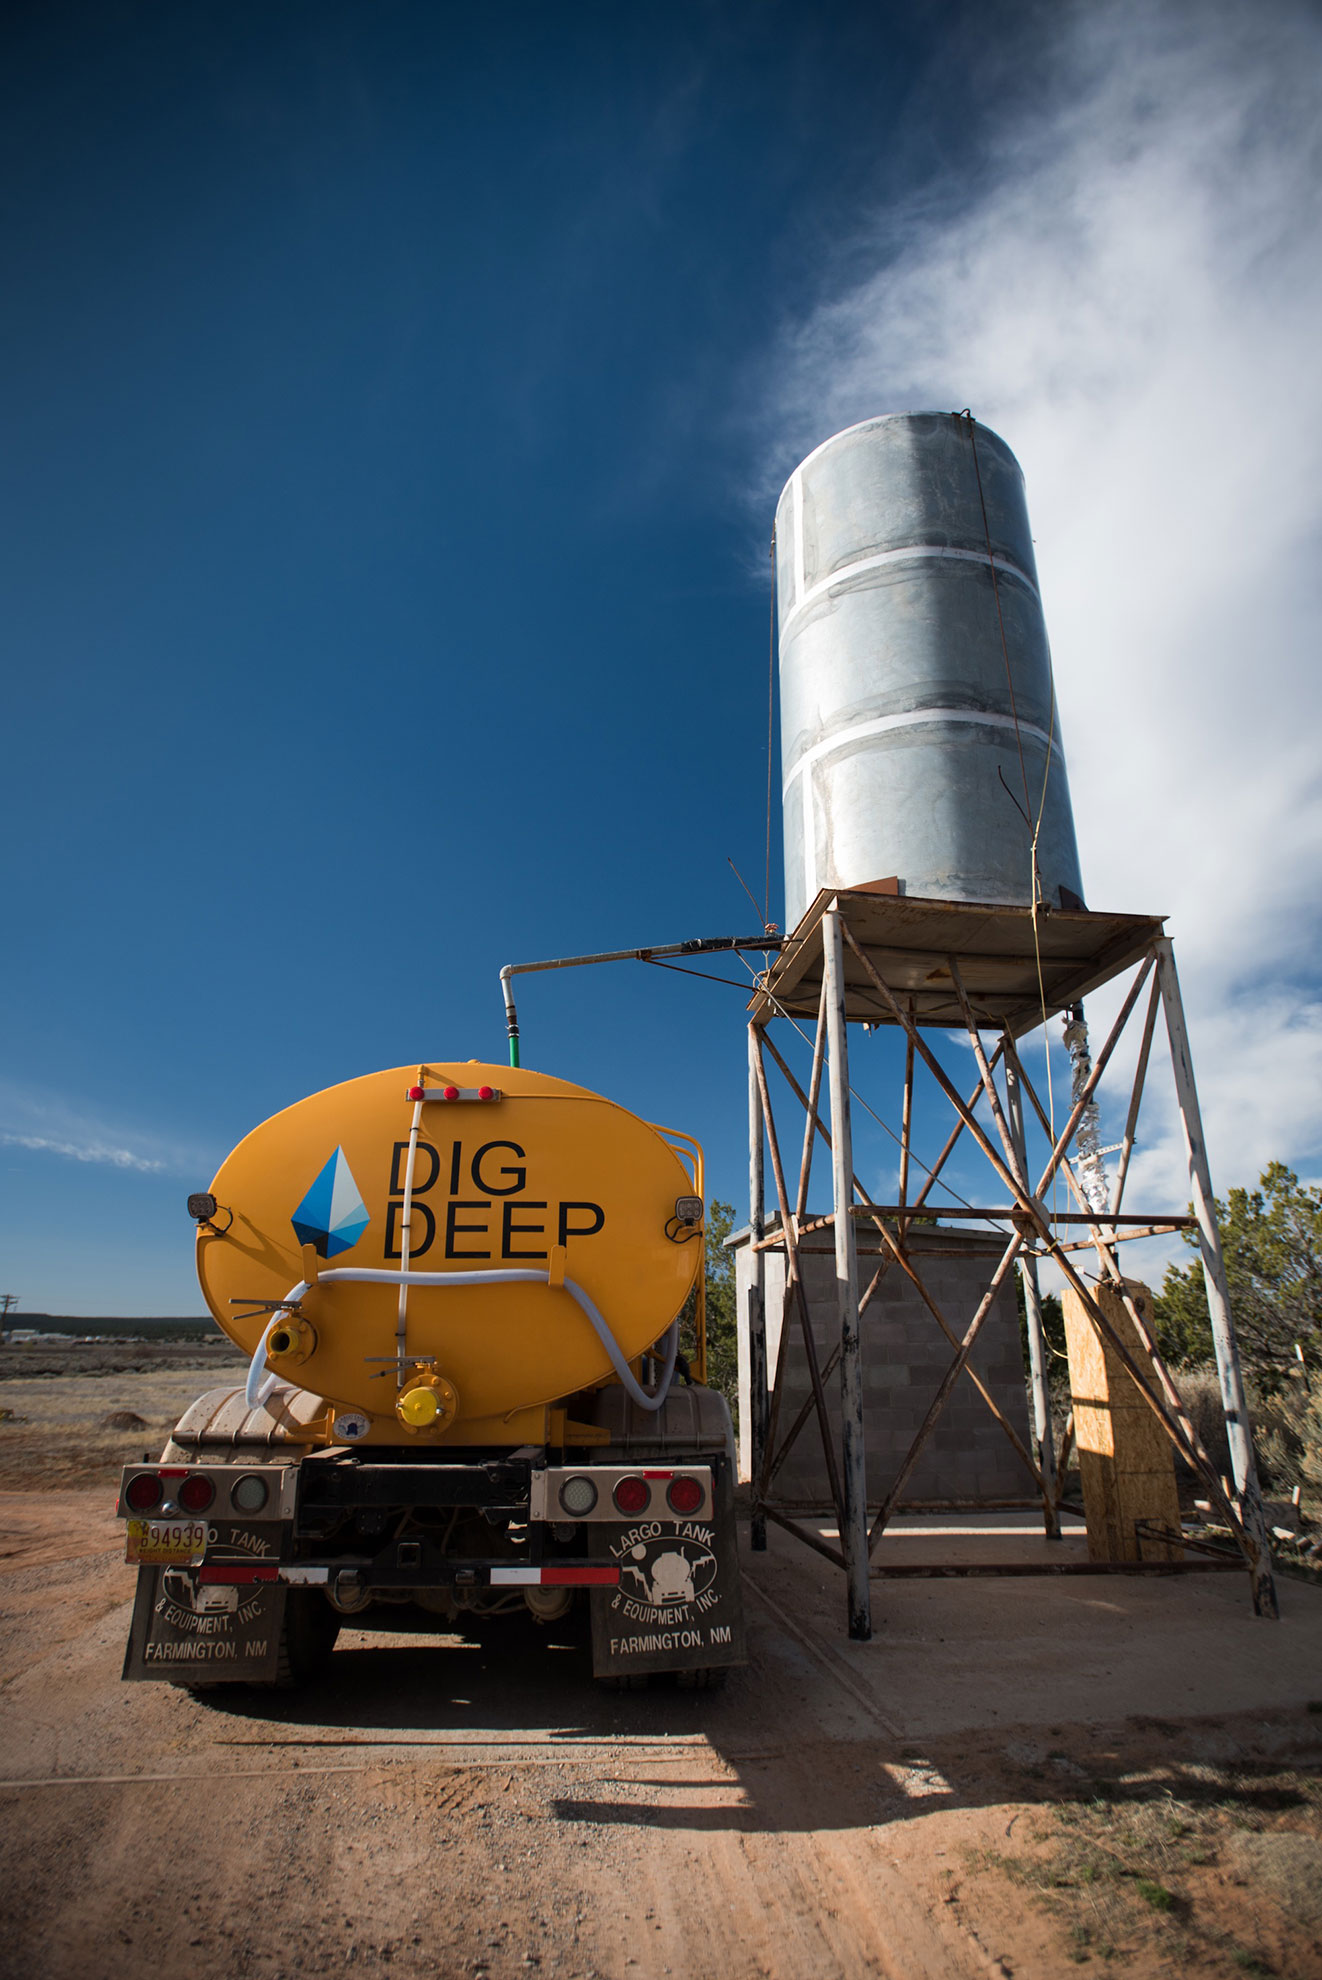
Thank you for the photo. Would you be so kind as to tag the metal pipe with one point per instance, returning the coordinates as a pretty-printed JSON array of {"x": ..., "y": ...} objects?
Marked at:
[
  {"x": 706, "y": 945},
  {"x": 1233, "y": 1400},
  {"x": 757, "y": 1316},
  {"x": 814, "y": 1095},
  {"x": 1136, "y": 1097},
  {"x": 854, "y": 1526},
  {"x": 1037, "y": 1349},
  {"x": 906, "y": 1119},
  {"x": 511, "y": 1015}
]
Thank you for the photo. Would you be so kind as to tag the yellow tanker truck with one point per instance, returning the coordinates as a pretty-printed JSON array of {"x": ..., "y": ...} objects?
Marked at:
[{"x": 460, "y": 1287}]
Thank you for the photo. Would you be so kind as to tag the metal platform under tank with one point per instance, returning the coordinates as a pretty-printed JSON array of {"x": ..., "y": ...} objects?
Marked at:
[{"x": 1014, "y": 973}]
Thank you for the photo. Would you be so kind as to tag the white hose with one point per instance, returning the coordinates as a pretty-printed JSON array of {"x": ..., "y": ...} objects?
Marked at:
[
  {"x": 256, "y": 1391},
  {"x": 405, "y": 1227}
]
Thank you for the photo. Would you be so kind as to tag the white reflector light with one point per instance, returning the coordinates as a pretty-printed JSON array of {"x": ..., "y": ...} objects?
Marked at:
[
  {"x": 249, "y": 1494},
  {"x": 578, "y": 1496}
]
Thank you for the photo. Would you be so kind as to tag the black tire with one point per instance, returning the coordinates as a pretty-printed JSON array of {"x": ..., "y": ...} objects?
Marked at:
[
  {"x": 702, "y": 1680},
  {"x": 306, "y": 1638}
]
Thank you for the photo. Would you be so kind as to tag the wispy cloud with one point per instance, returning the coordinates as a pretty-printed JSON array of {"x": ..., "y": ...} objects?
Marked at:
[
  {"x": 46, "y": 1124},
  {"x": 86, "y": 1151},
  {"x": 1131, "y": 296}
]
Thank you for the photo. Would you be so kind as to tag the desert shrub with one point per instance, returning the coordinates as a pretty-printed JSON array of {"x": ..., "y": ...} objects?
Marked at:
[{"x": 1287, "y": 1427}]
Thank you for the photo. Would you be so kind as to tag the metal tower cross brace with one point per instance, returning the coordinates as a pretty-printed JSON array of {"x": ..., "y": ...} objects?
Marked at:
[{"x": 919, "y": 965}]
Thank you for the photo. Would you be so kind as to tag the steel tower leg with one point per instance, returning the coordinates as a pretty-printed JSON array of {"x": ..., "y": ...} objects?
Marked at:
[
  {"x": 758, "y": 1399},
  {"x": 1037, "y": 1347},
  {"x": 1233, "y": 1399},
  {"x": 854, "y": 1537}
]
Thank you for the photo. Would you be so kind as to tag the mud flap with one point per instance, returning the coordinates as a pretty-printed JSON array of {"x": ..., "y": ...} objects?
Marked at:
[
  {"x": 677, "y": 1607},
  {"x": 204, "y": 1635}
]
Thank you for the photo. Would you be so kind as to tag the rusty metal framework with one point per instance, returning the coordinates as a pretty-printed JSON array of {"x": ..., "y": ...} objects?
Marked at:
[{"x": 990, "y": 973}]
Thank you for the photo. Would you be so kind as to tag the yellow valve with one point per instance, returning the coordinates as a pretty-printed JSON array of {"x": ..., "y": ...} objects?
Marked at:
[
  {"x": 291, "y": 1341},
  {"x": 419, "y": 1408},
  {"x": 430, "y": 1403}
]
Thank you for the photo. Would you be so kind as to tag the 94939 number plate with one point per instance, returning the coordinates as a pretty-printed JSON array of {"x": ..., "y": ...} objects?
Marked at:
[{"x": 165, "y": 1542}]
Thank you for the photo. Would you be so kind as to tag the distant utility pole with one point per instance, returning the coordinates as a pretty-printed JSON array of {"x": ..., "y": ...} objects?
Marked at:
[{"x": 8, "y": 1301}]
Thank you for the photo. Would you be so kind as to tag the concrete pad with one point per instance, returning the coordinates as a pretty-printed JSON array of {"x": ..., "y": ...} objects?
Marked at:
[{"x": 957, "y": 1655}]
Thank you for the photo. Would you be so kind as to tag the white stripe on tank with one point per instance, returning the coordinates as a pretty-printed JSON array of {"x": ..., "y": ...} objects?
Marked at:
[
  {"x": 881, "y": 724},
  {"x": 805, "y": 597}
]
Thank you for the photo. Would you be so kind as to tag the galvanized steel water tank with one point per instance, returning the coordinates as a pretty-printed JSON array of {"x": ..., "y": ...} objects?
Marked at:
[{"x": 918, "y": 725}]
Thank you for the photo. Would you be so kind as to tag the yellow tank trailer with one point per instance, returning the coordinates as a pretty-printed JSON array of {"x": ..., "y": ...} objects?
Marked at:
[{"x": 460, "y": 1289}]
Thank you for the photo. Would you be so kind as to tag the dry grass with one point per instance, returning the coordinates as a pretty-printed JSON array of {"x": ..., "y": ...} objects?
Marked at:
[
  {"x": 54, "y": 1409},
  {"x": 1200, "y": 1870}
]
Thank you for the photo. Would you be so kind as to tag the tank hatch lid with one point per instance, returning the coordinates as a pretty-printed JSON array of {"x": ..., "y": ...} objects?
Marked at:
[{"x": 909, "y": 942}]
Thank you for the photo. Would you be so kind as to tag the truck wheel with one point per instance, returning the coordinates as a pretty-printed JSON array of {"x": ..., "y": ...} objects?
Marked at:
[
  {"x": 701, "y": 1680},
  {"x": 306, "y": 1639}
]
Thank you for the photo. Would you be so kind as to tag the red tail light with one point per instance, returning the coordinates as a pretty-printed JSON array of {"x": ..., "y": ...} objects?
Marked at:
[
  {"x": 143, "y": 1492},
  {"x": 685, "y": 1495},
  {"x": 196, "y": 1494},
  {"x": 633, "y": 1495}
]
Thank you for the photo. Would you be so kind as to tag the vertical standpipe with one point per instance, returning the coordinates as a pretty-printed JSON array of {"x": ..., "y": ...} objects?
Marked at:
[{"x": 919, "y": 732}]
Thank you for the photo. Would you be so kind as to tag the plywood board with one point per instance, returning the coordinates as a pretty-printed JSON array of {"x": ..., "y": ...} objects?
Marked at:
[{"x": 1126, "y": 1459}]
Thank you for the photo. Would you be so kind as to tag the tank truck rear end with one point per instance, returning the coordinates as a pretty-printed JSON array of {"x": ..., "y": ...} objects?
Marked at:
[{"x": 460, "y": 1287}]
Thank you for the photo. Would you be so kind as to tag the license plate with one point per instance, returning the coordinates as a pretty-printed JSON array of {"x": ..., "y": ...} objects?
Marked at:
[{"x": 165, "y": 1542}]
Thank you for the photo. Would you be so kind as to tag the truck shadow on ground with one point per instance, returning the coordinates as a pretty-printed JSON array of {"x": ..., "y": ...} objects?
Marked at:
[{"x": 737, "y": 1768}]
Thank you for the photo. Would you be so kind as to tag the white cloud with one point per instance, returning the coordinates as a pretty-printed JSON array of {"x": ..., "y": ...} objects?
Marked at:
[
  {"x": 1132, "y": 298},
  {"x": 46, "y": 1123},
  {"x": 86, "y": 1151}
]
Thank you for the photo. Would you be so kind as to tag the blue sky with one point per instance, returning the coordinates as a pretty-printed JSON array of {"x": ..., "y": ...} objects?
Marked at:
[{"x": 397, "y": 396}]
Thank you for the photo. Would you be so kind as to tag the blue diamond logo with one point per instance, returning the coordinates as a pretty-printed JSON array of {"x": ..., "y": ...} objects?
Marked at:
[{"x": 332, "y": 1216}]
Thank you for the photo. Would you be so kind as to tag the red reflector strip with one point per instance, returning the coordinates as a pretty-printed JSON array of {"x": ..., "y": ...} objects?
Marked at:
[
  {"x": 453, "y": 1093},
  {"x": 227, "y": 1574},
  {"x": 658, "y": 1474},
  {"x": 172, "y": 1471},
  {"x": 555, "y": 1577}
]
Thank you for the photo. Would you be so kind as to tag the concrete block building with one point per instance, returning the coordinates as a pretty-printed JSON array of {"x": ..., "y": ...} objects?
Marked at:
[{"x": 905, "y": 1354}]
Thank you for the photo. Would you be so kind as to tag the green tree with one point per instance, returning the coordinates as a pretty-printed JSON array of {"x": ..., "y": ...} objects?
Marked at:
[
  {"x": 1053, "y": 1336},
  {"x": 722, "y": 1317},
  {"x": 1272, "y": 1241}
]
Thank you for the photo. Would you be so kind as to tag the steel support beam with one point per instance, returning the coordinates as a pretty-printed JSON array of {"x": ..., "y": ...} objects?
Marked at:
[
  {"x": 758, "y": 1400},
  {"x": 854, "y": 1525},
  {"x": 1233, "y": 1400},
  {"x": 1037, "y": 1347}
]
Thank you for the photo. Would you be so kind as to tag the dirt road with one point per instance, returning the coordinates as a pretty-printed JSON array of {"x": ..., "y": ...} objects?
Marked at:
[{"x": 474, "y": 1805}]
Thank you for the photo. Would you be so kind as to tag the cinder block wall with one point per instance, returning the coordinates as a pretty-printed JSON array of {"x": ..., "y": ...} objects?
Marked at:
[{"x": 905, "y": 1355}]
